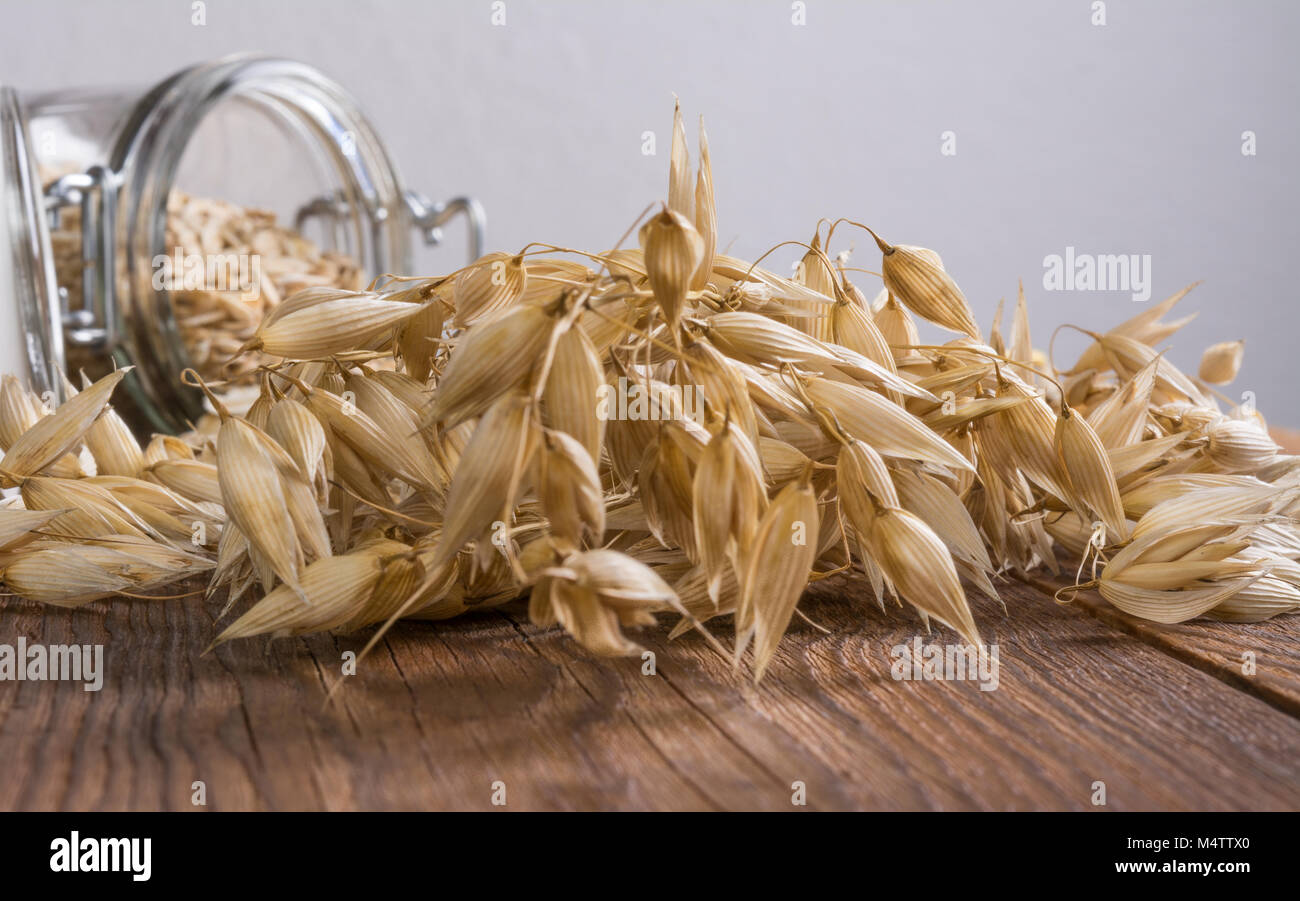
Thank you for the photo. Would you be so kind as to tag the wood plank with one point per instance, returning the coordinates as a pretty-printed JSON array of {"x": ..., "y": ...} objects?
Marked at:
[
  {"x": 1216, "y": 648},
  {"x": 1078, "y": 702},
  {"x": 438, "y": 715},
  {"x": 444, "y": 710}
]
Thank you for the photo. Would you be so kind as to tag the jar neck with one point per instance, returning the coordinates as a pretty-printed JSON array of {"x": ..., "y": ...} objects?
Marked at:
[{"x": 139, "y": 174}]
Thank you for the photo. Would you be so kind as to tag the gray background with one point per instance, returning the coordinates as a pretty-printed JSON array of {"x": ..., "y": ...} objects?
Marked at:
[{"x": 1117, "y": 139}]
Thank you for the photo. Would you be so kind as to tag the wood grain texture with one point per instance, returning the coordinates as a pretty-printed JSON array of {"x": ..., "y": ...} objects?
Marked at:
[
  {"x": 1273, "y": 673},
  {"x": 442, "y": 711}
]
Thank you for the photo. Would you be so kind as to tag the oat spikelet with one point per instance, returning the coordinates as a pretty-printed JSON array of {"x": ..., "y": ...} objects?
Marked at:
[
  {"x": 1220, "y": 362},
  {"x": 332, "y": 327},
  {"x": 916, "y": 277},
  {"x": 573, "y": 385},
  {"x": 301, "y": 434},
  {"x": 19, "y": 410},
  {"x": 111, "y": 442},
  {"x": 490, "y": 360},
  {"x": 785, "y": 547},
  {"x": 494, "y": 283},
  {"x": 1239, "y": 446},
  {"x": 418, "y": 337},
  {"x": 728, "y": 501},
  {"x": 18, "y": 526},
  {"x": 920, "y": 568},
  {"x": 891, "y": 429},
  {"x": 254, "y": 499},
  {"x": 333, "y": 588},
  {"x": 853, "y": 327},
  {"x": 62, "y": 576},
  {"x": 674, "y": 251},
  {"x": 680, "y": 199},
  {"x": 484, "y": 487},
  {"x": 1087, "y": 471},
  {"x": 569, "y": 487},
  {"x": 1021, "y": 348},
  {"x": 899, "y": 330},
  {"x": 706, "y": 213},
  {"x": 594, "y": 594},
  {"x": 56, "y": 434}
]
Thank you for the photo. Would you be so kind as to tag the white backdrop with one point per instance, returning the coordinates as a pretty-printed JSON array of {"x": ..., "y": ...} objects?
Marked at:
[{"x": 1117, "y": 138}]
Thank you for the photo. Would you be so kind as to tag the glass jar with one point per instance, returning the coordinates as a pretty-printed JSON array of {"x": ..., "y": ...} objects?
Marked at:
[{"x": 247, "y": 129}]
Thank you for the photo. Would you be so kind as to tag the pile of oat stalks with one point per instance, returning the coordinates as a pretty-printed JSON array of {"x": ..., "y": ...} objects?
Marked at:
[{"x": 663, "y": 429}]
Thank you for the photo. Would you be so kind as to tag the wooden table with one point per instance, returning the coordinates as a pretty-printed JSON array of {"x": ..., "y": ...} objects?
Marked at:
[
  {"x": 442, "y": 714},
  {"x": 1163, "y": 716}
]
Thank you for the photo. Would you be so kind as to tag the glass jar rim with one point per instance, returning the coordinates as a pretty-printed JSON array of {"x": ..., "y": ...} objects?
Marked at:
[
  {"x": 142, "y": 167},
  {"x": 30, "y": 300}
]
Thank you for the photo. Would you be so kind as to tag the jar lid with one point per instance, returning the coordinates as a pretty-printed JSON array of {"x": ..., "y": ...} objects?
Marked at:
[{"x": 31, "y": 326}]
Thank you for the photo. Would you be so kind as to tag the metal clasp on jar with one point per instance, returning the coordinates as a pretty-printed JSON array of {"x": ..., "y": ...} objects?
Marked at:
[
  {"x": 428, "y": 217},
  {"x": 94, "y": 324}
]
